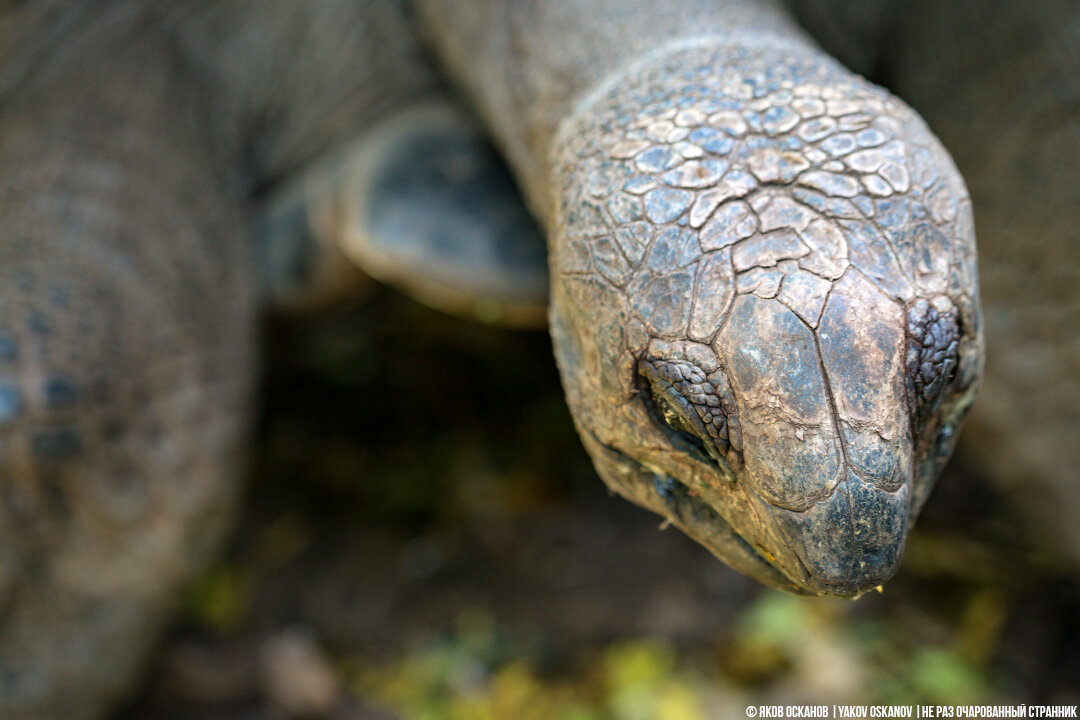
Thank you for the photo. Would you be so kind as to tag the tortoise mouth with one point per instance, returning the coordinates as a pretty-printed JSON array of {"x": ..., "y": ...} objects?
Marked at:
[
  {"x": 694, "y": 517},
  {"x": 702, "y": 522},
  {"x": 699, "y": 520},
  {"x": 691, "y": 514}
]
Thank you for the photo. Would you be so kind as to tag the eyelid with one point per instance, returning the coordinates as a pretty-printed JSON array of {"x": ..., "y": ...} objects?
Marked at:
[
  {"x": 658, "y": 385},
  {"x": 934, "y": 332}
]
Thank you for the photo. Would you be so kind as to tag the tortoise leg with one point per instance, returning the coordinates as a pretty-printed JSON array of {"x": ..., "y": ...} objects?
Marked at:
[
  {"x": 126, "y": 312},
  {"x": 421, "y": 201}
]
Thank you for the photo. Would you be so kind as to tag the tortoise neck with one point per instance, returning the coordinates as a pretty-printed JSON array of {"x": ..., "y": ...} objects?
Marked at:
[{"x": 531, "y": 65}]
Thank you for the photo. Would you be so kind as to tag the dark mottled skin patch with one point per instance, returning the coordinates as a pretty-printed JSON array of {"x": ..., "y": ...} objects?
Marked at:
[
  {"x": 59, "y": 392},
  {"x": 56, "y": 445},
  {"x": 24, "y": 281},
  {"x": 58, "y": 296},
  {"x": 10, "y": 401},
  {"x": 9, "y": 349},
  {"x": 38, "y": 323}
]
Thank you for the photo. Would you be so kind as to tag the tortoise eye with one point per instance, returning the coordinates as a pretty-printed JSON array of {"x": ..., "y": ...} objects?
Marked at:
[
  {"x": 671, "y": 409},
  {"x": 933, "y": 356}
]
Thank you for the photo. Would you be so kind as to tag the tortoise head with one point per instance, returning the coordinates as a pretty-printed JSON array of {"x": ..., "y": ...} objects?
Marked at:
[{"x": 765, "y": 310}]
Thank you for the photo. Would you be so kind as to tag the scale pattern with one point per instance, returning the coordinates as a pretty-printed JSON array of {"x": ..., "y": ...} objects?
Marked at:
[
  {"x": 792, "y": 224},
  {"x": 128, "y": 299}
]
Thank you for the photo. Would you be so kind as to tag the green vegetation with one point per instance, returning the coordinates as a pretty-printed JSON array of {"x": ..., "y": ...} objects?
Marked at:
[{"x": 781, "y": 647}]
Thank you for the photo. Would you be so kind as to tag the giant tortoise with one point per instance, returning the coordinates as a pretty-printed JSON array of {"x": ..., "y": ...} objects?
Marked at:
[{"x": 764, "y": 301}]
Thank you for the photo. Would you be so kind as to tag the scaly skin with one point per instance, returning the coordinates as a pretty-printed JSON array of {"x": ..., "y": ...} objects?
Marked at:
[
  {"x": 123, "y": 404},
  {"x": 127, "y": 298},
  {"x": 764, "y": 297}
]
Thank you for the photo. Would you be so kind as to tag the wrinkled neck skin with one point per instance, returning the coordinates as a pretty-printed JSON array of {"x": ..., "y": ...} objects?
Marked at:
[{"x": 764, "y": 295}]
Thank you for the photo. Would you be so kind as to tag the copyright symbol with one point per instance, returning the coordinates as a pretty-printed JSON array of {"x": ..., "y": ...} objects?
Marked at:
[{"x": 751, "y": 711}]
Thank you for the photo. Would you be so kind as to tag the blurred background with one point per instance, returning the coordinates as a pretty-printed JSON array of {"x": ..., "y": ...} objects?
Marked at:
[{"x": 424, "y": 537}]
